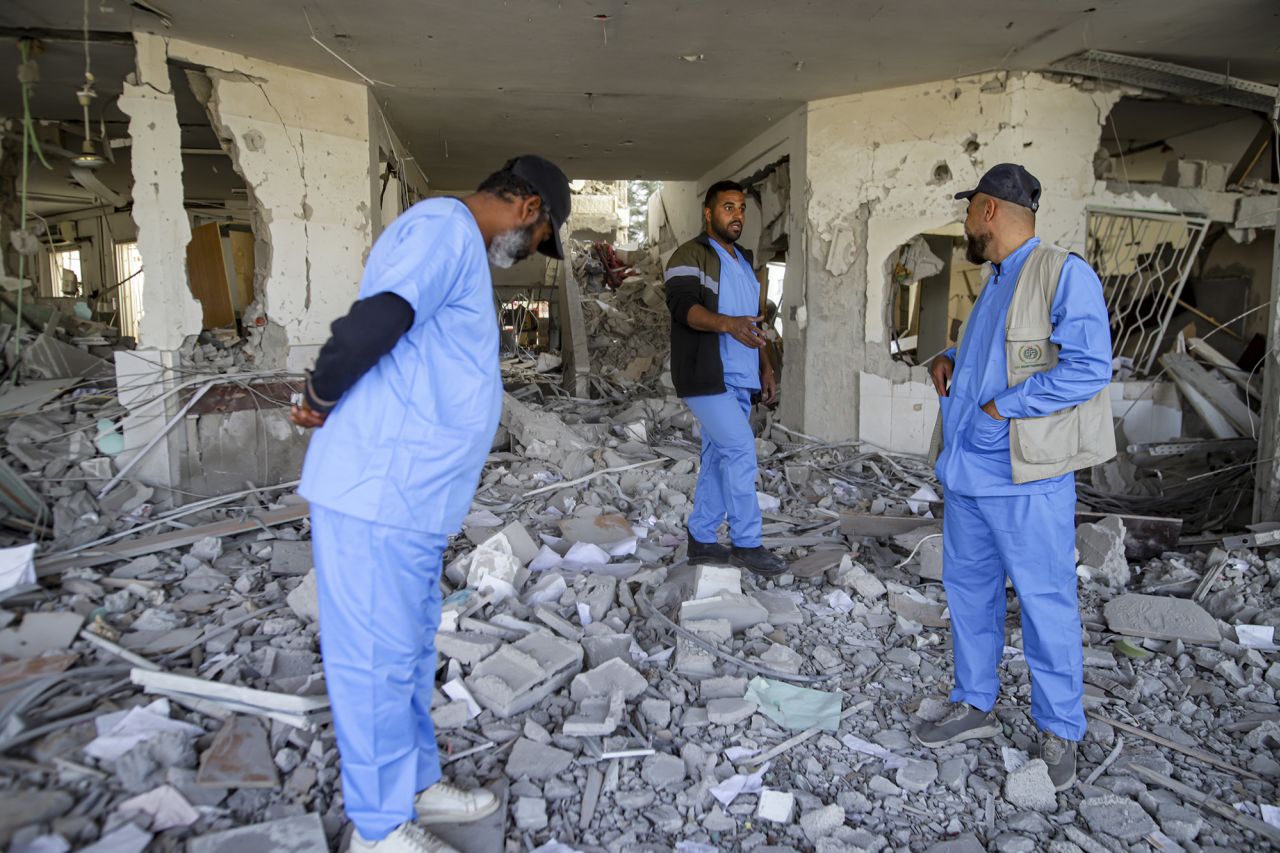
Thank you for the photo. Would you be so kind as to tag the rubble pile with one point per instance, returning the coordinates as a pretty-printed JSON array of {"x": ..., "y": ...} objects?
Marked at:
[
  {"x": 166, "y": 689},
  {"x": 629, "y": 329}
]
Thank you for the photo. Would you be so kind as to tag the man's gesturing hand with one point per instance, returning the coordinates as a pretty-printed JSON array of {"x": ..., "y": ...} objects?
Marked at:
[
  {"x": 940, "y": 371},
  {"x": 744, "y": 330}
]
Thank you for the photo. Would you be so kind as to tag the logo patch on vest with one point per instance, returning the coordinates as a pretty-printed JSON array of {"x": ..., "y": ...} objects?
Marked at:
[{"x": 1029, "y": 356}]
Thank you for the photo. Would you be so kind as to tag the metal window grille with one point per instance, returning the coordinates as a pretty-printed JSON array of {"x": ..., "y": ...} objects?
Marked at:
[{"x": 1143, "y": 260}]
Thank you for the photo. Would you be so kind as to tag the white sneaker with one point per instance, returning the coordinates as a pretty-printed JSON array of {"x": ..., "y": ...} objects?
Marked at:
[
  {"x": 445, "y": 803},
  {"x": 405, "y": 838}
]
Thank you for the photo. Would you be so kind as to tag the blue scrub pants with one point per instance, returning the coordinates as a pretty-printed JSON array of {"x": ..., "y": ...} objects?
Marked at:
[
  {"x": 727, "y": 475},
  {"x": 1031, "y": 539},
  {"x": 379, "y": 610}
]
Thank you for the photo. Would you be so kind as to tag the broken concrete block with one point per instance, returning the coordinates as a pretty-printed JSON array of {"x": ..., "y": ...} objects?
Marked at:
[
  {"x": 710, "y": 581},
  {"x": 1158, "y": 617},
  {"x": 555, "y": 622},
  {"x": 520, "y": 675},
  {"x": 1029, "y": 787},
  {"x": 39, "y": 633},
  {"x": 291, "y": 558},
  {"x": 301, "y": 834},
  {"x": 597, "y": 716},
  {"x": 1101, "y": 548},
  {"x": 612, "y": 675},
  {"x": 466, "y": 647},
  {"x": 776, "y": 806},
  {"x": 692, "y": 661},
  {"x": 917, "y": 776},
  {"x": 304, "y": 600},
  {"x": 23, "y": 808},
  {"x": 742, "y": 611},
  {"x": 531, "y": 760},
  {"x": 602, "y": 530},
  {"x": 656, "y": 711},
  {"x": 729, "y": 712},
  {"x": 779, "y": 658},
  {"x": 1119, "y": 817},
  {"x": 662, "y": 771},
  {"x": 605, "y": 647},
  {"x": 781, "y": 607},
  {"x": 822, "y": 822},
  {"x": 240, "y": 757},
  {"x": 598, "y": 594},
  {"x": 451, "y": 715},
  {"x": 207, "y": 549},
  {"x": 530, "y": 813},
  {"x": 711, "y": 630},
  {"x": 725, "y": 687},
  {"x": 522, "y": 544}
]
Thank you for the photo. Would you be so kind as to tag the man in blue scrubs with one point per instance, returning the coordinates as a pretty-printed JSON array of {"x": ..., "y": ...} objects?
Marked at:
[
  {"x": 409, "y": 393},
  {"x": 719, "y": 363},
  {"x": 994, "y": 527}
]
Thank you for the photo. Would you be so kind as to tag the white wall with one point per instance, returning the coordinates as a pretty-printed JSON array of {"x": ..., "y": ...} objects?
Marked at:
[{"x": 873, "y": 176}]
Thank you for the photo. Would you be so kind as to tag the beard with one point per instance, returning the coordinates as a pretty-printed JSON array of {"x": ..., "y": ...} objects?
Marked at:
[
  {"x": 975, "y": 248},
  {"x": 725, "y": 233},
  {"x": 512, "y": 246}
]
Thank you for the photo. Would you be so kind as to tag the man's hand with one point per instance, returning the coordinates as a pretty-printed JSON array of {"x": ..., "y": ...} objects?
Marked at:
[
  {"x": 940, "y": 371},
  {"x": 768, "y": 387},
  {"x": 990, "y": 408},
  {"x": 744, "y": 330},
  {"x": 306, "y": 417}
]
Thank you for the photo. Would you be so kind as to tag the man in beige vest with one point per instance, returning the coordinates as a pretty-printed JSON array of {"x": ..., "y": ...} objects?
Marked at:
[{"x": 1024, "y": 405}]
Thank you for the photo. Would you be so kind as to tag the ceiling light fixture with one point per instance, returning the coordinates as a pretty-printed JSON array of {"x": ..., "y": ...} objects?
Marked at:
[{"x": 88, "y": 158}]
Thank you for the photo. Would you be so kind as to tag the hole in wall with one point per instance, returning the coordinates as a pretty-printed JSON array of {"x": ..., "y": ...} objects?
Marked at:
[
  {"x": 931, "y": 290},
  {"x": 941, "y": 174}
]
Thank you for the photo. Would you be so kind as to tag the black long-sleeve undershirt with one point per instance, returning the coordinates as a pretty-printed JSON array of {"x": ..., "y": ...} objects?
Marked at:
[{"x": 365, "y": 334}]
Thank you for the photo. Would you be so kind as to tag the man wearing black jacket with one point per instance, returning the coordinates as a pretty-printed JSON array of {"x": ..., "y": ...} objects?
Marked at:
[{"x": 719, "y": 363}]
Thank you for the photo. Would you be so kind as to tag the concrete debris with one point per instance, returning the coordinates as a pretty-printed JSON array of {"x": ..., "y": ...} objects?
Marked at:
[
  {"x": 1161, "y": 618},
  {"x": 1029, "y": 787},
  {"x": 603, "y": 727}
]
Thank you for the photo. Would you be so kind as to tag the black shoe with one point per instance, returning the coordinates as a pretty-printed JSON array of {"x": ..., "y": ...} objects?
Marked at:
[
  {"x": 762, "y": 562},
  {"x": 702, "y": 552},
  {"x": 1060, "y": 756},
  {"x": 962, "y": 722}
]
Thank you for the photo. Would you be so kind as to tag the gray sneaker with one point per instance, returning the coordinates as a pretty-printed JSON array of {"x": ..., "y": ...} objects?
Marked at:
[
  {"x": 1060, "y": 755},
  {"x": 963, "y": 722}
]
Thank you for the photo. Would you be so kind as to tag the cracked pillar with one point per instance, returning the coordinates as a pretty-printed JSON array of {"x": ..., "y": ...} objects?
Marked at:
[
  {"x": 169, "y": 311},
  {"x": 1266, "y": 503}
]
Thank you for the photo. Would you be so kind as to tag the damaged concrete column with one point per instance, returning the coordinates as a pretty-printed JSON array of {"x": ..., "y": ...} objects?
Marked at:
[
  {"x": 169, "y": 312},
  {"x": 1266, "y": 505}
]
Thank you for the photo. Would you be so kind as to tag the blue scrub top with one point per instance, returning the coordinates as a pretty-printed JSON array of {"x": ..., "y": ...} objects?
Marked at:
[
  {"x": 405, "y": 446},
  {"x": 739, "y": 297},
  {"x": 975, "y": 455}
]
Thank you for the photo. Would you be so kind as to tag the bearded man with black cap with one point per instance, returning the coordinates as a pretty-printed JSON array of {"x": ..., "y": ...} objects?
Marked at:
[
  {"x": 408, "y": 393},
  {"x": 1024, "y": 404}
]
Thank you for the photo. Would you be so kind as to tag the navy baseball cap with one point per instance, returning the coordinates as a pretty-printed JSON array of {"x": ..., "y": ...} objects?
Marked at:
[
  {"x": 1010, "y": 182},
  {"x": 553, "y": 186}
]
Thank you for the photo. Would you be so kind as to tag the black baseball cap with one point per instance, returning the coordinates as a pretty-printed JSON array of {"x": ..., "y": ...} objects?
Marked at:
[
  {"x": 1010, "y": 182},
  {"x": 551, "y": 183}
]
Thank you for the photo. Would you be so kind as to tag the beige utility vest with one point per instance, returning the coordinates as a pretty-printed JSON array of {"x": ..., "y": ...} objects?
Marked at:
[{"x": 1069, "y": 439}]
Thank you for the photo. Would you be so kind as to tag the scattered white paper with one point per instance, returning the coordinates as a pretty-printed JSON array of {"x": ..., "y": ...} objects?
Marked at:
[
  {"x": 121, "y": 731},
  {"x": 458, "y": 692},
  {"x": 624, "y": 548},
  {"x": 127, "y": 839},
  {"x": 166, "y": 806},
  {"x": 547, "y": 592},
  {"x": 17, "y": 566},
  {"x": 661, "y": 655},
  {"x": 919, "y": 502},
  {"x": 1013, "y": 758},
  {"x": 554, "y": 846},
  {"x": 493, "y": 568},
  {"x": 1260, "y": 637},
  {"x": 737, "y": 753},
  {"x": 545, "y": 560},
  {"x": 892, "y": 761},
  {"x": 695, "y": 847},
  {"x": 584, "y": 613},
  {"x": 728, "y": 790},
  {"x": 585, "y": 554},
  {"x": 768, "y": 503},
  {"x": 42, "y": 844},
  {"x": 839, "y": 601},
  {"x": 1270, "y": 814}
]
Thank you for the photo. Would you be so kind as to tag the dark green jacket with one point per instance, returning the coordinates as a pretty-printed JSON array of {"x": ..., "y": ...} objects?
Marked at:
[{"x": 693, "y": 278}]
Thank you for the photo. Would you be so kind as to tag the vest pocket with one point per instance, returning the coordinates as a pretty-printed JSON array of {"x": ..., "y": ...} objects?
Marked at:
[
  {"x": 1049, "y": 439},
  {"x": 1028, "y": 351}
]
